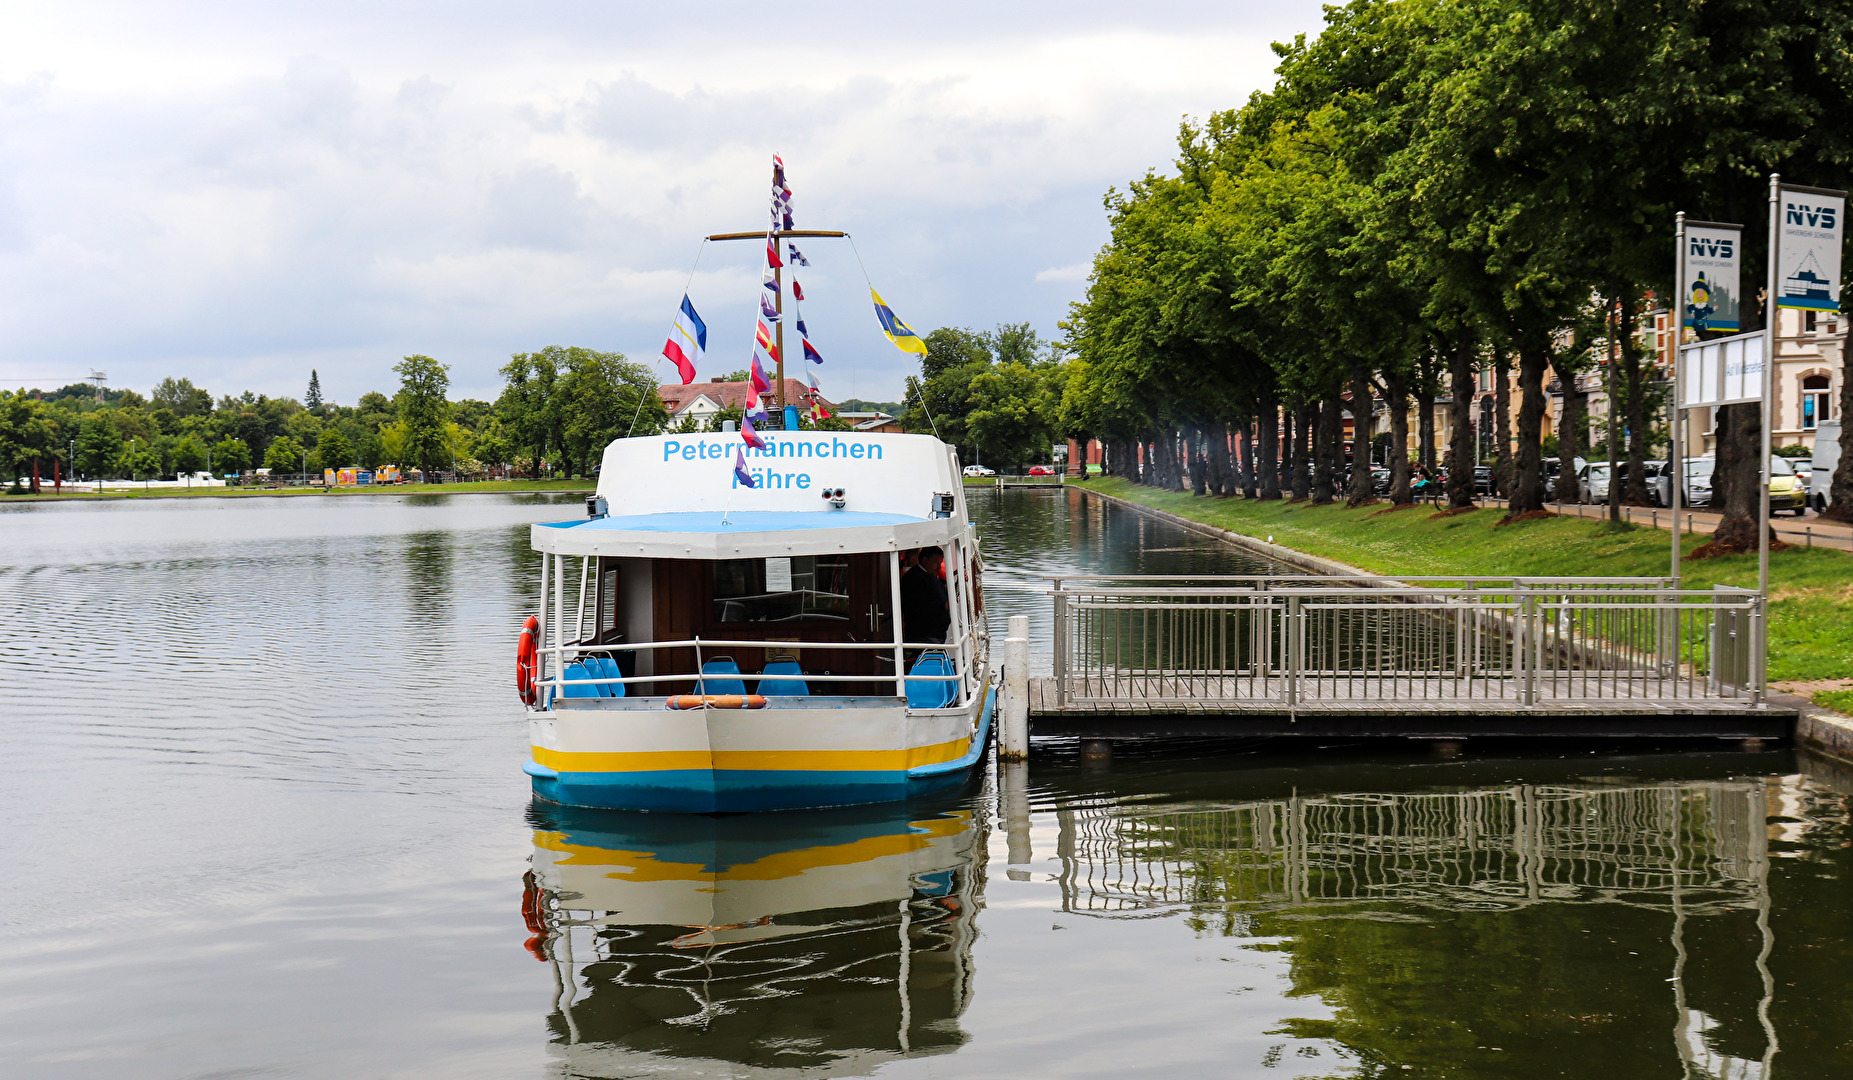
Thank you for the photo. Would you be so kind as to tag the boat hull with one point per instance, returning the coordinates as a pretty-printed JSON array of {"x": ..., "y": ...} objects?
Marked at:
[{"x": 737, "y": 761}]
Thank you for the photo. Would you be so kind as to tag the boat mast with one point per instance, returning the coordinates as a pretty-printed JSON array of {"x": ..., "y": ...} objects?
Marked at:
[{"x": 778, "y": 279}]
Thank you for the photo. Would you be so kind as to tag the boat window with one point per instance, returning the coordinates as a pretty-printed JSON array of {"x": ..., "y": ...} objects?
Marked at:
[{"x": 783, "y": 589}]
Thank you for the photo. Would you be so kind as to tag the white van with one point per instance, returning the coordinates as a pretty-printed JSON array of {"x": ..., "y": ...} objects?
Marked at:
[{"x": 1826, "y": 460}]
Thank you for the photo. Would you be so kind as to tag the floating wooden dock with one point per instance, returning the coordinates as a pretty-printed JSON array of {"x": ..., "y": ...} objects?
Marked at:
[
  {"x": 1427, "y": 658},
  {"x": 1139, "y": 716}
]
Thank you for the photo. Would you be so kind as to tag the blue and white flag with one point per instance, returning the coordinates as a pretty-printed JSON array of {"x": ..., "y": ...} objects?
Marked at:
[{"x": 745, "y": 479}]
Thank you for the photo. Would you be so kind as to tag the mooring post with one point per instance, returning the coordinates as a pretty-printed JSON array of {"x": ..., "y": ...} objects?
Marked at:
[{"x": 1015, "y": 728}]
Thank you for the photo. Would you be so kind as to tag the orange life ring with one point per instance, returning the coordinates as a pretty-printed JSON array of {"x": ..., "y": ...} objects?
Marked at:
[
  {"x": 717, "y": 701},
  {"x": 527, "y": 661}
]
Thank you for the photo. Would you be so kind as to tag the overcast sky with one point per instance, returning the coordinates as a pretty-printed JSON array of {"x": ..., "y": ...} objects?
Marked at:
[{"x": 241, "y": 192}]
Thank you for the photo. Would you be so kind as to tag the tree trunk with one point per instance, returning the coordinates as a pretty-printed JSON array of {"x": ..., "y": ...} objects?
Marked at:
[
  {"x": 1840, "y": 490},
  {"x": 1363, "y": 485},
  {"x": 1216, "y": 449},
  {"x": 1232, "y": 449},
  {"x": 1460, "y": 444},
  {"x": 1425, "y": 428},
  {"x": 1636, "y": 383},
  {"x": 1528, "y": 465},
  {"x": 1737, "y": 482},
  {"x": 1502, "y": 421},
  {"x": 1323, "y": 465},
  {"x": 1196, "y": 462},
  {"x": 1569, "y": 444},
  {"x": 1249, "y": 467},
  {"x": 1303, "y": 451},
  {"x": 1396, "y": 402},
  {"x": 1270, "y": 485},
  {"x": 1289, "y": 452}
]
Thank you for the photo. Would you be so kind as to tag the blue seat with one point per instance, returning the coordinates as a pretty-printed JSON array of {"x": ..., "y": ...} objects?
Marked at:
[
  {"x": 609, "y": 669},
  {"x": 784, "y": 687},
  {"x": 721, "y": 665},
  {"x": 931, "y": 695},
  {"x": 577, "y": 670}
]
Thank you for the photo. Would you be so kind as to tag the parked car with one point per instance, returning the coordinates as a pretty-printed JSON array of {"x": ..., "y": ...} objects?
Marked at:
[
  {"x": 1595, "y": 477},
  {"x": 1786, "y": 491},
  {"x": 1041, "y": 470},
  {"x": 1826, "y": 460},
  {"x": 1552, "y": 466},
  {"x": 1379, "y": 480},
  {"x": 1482, "y": 480},
  {"x": 979, "y": 470}
]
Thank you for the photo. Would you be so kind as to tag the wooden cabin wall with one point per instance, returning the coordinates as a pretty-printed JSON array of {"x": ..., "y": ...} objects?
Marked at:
[{"x": 681, "y": 607}]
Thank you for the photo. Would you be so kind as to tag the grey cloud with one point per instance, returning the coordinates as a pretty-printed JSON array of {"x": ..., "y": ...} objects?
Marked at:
[
  {"x": 632, "y": 112},
  {"x": 538, "y": 207}
]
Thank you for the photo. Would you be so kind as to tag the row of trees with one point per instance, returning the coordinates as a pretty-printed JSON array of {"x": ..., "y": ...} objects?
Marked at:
[
  {"x": 1434, "y": 188},
  {"x": 559, "y": 407}
]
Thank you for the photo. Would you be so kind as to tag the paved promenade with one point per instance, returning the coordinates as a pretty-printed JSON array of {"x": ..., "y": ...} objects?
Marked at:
[{"x": 1808, "y": 531}]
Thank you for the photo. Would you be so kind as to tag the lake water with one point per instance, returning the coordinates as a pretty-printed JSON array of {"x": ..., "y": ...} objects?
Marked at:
[{"x": 266, "y": 819}]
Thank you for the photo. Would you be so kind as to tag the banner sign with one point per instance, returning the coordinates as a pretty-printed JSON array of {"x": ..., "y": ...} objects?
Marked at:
[
  {"x": 1714, "y": 255},
  {"x": 1723, "y": 371},
  {"x": 1813, "y": 224}
]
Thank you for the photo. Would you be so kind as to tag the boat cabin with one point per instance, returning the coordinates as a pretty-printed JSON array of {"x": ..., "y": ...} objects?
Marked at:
[{"x": 849, "y": 575}]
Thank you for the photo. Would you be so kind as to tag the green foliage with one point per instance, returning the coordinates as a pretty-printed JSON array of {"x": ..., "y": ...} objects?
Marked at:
[
  {"x": 492, "y": 445},
  {"x": 335, "y": 450},
  {"x": 99, "y": 446},
  {"x": 137, "y": 461},
  {"x": 422, "y": 410},
  {"x": 189, "y": 455},
  {"x": 994, "y": 393},
  {"x": 284, "y": 455},
  {"x": 28, "y": 431},
  {"x": 181, "y": 397},
  {"x": 230, "y": 456}
]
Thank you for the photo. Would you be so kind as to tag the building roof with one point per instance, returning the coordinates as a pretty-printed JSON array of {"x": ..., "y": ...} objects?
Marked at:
[{"x": 730, "y": 395}]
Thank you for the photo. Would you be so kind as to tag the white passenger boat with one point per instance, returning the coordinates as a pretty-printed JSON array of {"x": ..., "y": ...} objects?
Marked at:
[{"x": 704, "y": 646}]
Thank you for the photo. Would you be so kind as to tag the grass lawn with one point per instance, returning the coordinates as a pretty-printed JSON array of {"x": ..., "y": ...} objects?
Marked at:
[
  {"x": 476, "y": 487},
  {"x": 1811, "y": 591}
]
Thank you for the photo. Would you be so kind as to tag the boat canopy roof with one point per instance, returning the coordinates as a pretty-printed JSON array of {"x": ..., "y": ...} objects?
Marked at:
[
  {"x": 740, "y": 534},
  {"x": 811, "y": 492}
]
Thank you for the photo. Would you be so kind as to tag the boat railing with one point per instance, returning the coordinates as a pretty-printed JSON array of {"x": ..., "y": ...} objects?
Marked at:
[{"x": 967, "y": 684}]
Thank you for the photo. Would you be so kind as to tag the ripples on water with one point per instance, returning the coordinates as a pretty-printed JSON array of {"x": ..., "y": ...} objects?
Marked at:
[{"x": 266, "y": 818}]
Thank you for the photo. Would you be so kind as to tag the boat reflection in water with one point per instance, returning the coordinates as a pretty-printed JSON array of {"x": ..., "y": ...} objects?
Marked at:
[{"x": 828, "y": 941}]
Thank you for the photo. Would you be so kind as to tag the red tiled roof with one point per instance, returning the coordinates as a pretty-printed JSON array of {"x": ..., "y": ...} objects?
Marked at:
[{"x": 731, "y": 395}]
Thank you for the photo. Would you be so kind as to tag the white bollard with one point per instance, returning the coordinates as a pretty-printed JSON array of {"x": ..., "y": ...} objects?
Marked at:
[{"x": 1013, "y": 732}]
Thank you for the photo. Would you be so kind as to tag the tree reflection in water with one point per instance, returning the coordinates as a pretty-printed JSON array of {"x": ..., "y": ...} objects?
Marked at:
[
  {"x": 826, "y": 939},
  {"x": 1562, "y": 924}
]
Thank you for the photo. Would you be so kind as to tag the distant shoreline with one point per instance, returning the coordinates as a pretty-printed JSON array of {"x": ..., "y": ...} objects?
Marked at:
[{"x": 490, "y": 487}]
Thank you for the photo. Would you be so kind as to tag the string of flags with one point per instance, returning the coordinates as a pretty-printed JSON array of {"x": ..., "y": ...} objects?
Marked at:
[{"x": 688, "y": 336}]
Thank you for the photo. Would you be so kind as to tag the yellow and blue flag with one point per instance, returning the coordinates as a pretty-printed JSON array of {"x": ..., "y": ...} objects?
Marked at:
[{"x": 898, "y": 332}]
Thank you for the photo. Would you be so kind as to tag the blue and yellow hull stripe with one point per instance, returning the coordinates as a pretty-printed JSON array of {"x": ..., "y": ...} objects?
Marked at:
[{"x": 730, "y": 781}]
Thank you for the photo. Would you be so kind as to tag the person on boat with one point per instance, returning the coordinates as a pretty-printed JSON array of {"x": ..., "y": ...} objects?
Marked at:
[{"x": 925, "y": 612}]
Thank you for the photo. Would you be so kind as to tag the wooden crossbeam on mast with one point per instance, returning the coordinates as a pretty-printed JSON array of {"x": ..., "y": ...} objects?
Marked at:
[{"x": 778, "y": 279}]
